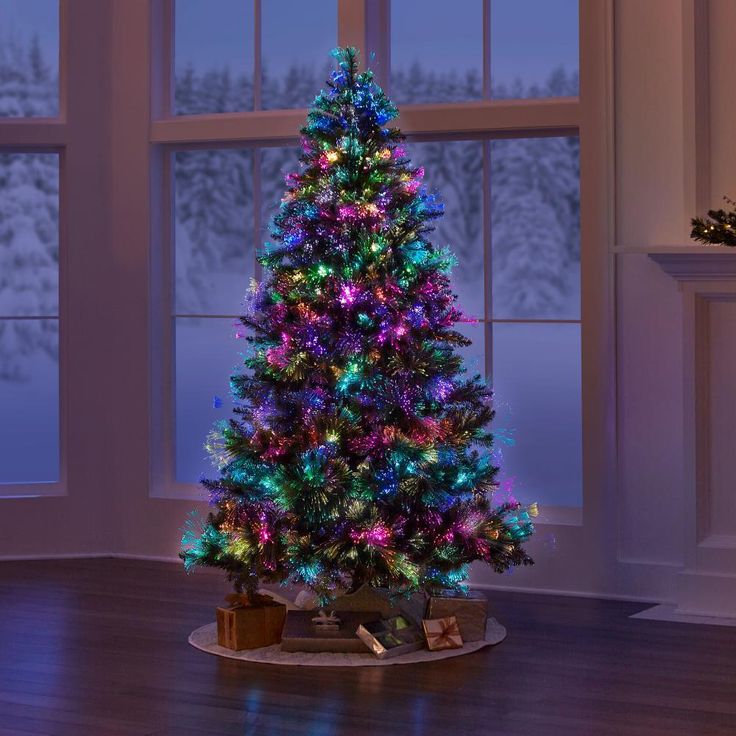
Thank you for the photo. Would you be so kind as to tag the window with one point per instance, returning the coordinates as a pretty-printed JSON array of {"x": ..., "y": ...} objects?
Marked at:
[
  {"x": 509, "y": 175},
  {"x": 244, "y": 57},
  {"x": 492, "y": 48},
  {"x": 524, "y": 232},
  {"x": 29, "y": 252},
  {"x": 29, "y": 58},
  {"x": 214, "y": 260},
  {"x": 216, "y": 226}
]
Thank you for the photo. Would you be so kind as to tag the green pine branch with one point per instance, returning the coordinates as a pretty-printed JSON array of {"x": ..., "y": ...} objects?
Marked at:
[{"x": 717, "y": 228}]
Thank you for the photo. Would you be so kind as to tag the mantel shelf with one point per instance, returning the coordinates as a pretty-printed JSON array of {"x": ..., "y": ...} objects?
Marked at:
[{"x": 697, "y": 263}]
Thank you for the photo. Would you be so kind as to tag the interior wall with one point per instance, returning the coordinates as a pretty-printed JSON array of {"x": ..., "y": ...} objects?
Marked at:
[
  {"x": 108, "y": 508},
  {"x": 669, "y": 101}
]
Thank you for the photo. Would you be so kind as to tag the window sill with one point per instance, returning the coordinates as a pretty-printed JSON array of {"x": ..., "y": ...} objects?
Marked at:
[{"x": 14, "y": 491}]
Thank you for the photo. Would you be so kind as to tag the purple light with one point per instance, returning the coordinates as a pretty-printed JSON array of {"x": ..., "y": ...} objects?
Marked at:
[{"x": 348, "y": 294}]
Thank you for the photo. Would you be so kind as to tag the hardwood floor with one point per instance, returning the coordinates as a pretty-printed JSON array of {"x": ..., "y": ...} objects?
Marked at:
[{"x": 99, "y": 647}]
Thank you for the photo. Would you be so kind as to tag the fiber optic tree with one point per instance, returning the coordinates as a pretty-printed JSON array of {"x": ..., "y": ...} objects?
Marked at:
[{"x": 358, "y": 451}]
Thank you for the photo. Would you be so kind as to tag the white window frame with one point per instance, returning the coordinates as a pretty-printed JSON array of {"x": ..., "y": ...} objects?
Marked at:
[{"x": 366, "y": 24}]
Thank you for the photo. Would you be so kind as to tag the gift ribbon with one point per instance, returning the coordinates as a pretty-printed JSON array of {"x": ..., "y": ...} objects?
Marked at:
[
  {"x": 246, "y": 600},
  {"x": 443, "y": 637}
]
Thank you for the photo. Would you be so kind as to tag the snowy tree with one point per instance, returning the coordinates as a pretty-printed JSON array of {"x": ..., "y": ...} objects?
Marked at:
[
  {"x": 534, "y": 211},
  {"x": 29, "y": 197},
  {"x": 27, "y": 87},
  {"x": 214, "y": 205}
]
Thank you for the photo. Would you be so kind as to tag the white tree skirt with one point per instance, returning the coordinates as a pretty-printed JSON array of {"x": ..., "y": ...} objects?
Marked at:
[{"x": 205, "y": 638}]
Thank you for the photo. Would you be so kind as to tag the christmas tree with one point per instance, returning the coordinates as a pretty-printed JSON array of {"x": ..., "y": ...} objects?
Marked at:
[
  {"x": 359, "y": 449},
  {"x": 718, "y": 228}
]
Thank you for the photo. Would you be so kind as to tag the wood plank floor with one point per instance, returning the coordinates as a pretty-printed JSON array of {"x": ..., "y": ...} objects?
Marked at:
[{"x": 99, "y": 647}]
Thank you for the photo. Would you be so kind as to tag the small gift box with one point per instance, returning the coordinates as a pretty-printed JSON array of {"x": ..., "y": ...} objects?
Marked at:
[
  {"x": 302, "y": 633},
  {"x": 442, "y": 633},
  {"x": 390, "y": 637},
  {"x": 250, "y": 622},
  {"x": 469, "y": 608}
]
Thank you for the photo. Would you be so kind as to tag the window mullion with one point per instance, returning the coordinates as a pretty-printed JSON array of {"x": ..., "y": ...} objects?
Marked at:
[
  {"x": 487, "y": 260},
  {"x": 257, "y": 54},
  {"x": 487, "y": 48},
  {"x": 257, "y": 210}
]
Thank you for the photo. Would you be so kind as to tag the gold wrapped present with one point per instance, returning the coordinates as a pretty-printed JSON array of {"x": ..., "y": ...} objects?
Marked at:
[
  {"x": 250, "y": 622},
  {"x": 470, "y": 609},
  {"x": 442, "y": 633}
]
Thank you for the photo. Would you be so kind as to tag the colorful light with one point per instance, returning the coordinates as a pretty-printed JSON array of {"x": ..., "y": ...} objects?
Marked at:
[{"x": 358, "y": 449}]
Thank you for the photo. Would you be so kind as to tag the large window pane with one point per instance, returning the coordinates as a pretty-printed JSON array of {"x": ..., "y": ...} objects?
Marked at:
[
  {"x": 29, "y": 234},
  {"x": 436, "y": 50},
  {"x": 213, "y": 230},
  {"x": 29, "y": 401},
  {"x": 213, "y": 57},
  {"x": 535, "y": 228},
  {"x": 29, "y": 272},
  {"x": 297, "y": 38},
  {"x": 534, "y": 48},
  {"x": 536, "y": 379},
  {"x": 207, "y": 354},
  {"x": 29, "y": 58},
  {"x": 454, "y": 169}
]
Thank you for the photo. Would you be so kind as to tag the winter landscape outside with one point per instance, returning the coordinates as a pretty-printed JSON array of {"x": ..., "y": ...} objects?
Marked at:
[
  {"x": 29, "y": 250},
  {"x": 534, "y": 212}
]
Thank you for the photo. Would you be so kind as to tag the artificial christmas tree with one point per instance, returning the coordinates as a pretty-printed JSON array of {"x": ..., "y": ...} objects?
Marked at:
[{"x": 355, "y": 453}]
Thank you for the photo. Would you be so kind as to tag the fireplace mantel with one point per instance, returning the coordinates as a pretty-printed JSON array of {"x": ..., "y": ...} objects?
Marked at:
[{"x": 697, "y": 263}]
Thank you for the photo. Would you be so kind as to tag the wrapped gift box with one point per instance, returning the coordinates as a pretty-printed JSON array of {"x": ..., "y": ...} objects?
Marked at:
[
  {"x": 442, "y": 633},
  {"x": 470, "y": 609},
  {"x": 302, "y": 635},
  {"x": 368, "y": 598},
  {"x": 391, "y": 636},
  {"x": 250, "y": 625}
]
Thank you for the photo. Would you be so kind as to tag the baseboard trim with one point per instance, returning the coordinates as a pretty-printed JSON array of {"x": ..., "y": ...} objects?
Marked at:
[
  {"x": 565, "y": 592},
  {"x": 149, "y": 558},
  {"x": 478, "y": 586},
  {"x": 88, "y": 556},
  {"x": 64, "y": 556}
]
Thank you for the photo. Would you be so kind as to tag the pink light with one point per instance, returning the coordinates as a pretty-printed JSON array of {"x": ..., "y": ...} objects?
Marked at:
[
  {"x": 278, "y": 356},
  {"x": 346, "y": 212},
  {"x": 378, "y": 535},
  {"x": 323, "y": 162},
  {"x": 348, "y": 294}
]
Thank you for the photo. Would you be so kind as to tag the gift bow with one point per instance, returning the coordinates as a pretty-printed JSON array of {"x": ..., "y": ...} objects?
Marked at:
[
  {"x": 443, "y": 637},
  {"x": 246, "y": 600},
  {"x": 322, "y": 619}
]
